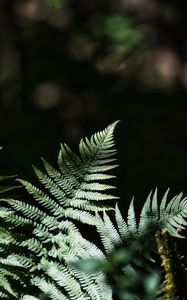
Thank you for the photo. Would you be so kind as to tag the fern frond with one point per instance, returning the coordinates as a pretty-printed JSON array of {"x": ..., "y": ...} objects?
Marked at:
[
  {"x": 155, "y": 216},
  {"x": 111, "y": 230},
  {"x": 86, "y": 248},
  {"x": 93, "y": 196},
  {"x": 4, "y": 283},
  {"x": 88, "y": 205},
  {"x": 96, "y": 186},
  {"x": 59, "y": 179},
  {"x": 98, "y": 176},
  {"x": 104, "y": 236},
  {"x": 95, "y": 288},
  {"x": 171, "y": 216},
  {"x": 43, "y": 198},
  {"x": 51, "y": 186},
  {"x": 35, "y": 246},
  {"x": 82, "y": 216},
  {"x": 17, "y": 220},
  {"x": 44, "y": 239},
  {"x": 62, "y": 277},
  {"x": 131, "y": 219},
  {"x": 121, "y": 224},
  {"x": 26, "y": 209},
  {"x": 48, "y": 289}
]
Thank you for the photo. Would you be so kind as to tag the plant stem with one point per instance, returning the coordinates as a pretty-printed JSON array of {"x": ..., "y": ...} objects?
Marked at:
[{"x": 174, "y": 287}]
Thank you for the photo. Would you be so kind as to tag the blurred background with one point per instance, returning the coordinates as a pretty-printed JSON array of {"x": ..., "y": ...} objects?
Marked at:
[{"x": 68, "y": 68}]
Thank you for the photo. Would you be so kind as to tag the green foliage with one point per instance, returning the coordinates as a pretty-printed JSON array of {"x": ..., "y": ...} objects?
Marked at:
[
  {"x": 43, "y": 254},
  {"x": 57, "y": 3},
  {"x": 118, "y": 31}
]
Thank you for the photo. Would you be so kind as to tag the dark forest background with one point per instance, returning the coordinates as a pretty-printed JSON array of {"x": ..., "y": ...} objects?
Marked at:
[{"x": 69, "y": 68}]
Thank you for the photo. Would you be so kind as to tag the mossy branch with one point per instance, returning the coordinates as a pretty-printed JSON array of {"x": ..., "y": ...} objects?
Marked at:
[{"x": 174, "y": 285}]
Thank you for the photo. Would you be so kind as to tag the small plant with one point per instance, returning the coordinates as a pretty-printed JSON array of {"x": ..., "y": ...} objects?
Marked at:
[{"x": 43, "y": 254}]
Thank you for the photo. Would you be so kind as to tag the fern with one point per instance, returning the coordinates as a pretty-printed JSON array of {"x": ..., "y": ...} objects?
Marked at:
[
  {"x": 170, "y": 216},
  {"x": 49, "y": 239},
  {"x": 42, "y": 250},
  {"x": 131, "y": 244},
  {"x": 8, "y": 263}
]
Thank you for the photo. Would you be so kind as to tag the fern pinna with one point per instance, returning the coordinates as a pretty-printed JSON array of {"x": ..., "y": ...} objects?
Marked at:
[{"x": 41, "y": 245}]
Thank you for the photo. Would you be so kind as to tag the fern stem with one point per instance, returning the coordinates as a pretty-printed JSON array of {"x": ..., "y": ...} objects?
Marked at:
[{"x": 174, "y": 286}]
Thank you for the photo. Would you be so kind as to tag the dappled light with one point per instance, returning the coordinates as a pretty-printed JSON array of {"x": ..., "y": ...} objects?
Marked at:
[
  {"x": 31, "y": 10},
  {"x": 81, "y": 48},
  {"x": 46, "y": 96},
  {"x": 112, "y": 62}
]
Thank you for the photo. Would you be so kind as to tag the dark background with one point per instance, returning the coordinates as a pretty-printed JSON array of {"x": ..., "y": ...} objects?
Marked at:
[{"x": 70, "y": 68}]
